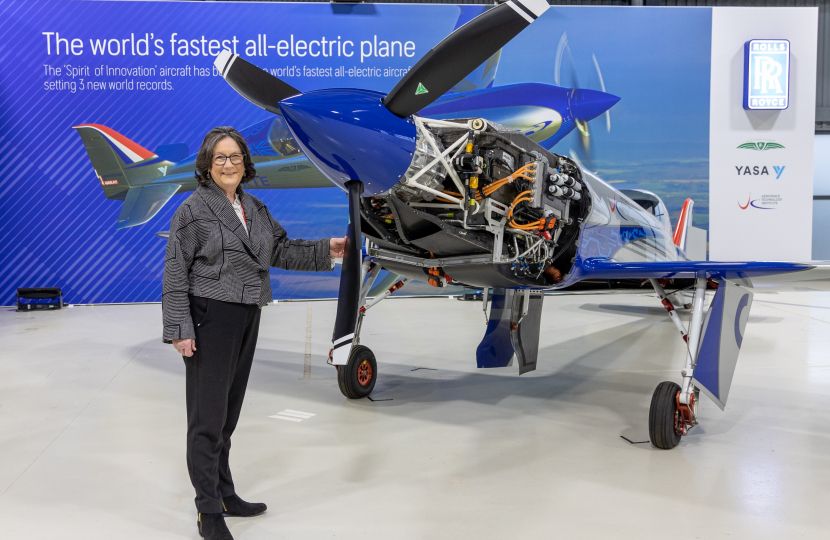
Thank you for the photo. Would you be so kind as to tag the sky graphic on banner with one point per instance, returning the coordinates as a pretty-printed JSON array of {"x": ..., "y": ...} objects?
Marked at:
[{"x": 123, "y": 65}]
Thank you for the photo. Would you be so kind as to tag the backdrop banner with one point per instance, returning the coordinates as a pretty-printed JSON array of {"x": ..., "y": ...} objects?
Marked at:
[{"x": 103, "y": 106}]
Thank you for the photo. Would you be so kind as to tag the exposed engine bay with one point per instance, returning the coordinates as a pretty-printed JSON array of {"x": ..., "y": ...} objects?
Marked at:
[{"x": 486, "y": 201}]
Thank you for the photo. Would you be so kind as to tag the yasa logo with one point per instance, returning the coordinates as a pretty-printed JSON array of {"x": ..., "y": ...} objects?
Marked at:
[
  {"x": 760, "y": 145},
  {"x": 765, "y": 202},
  {"x": 759, "y": 170}
]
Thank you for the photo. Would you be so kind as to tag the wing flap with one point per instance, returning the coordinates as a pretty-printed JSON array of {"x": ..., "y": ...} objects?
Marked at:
[{"x": 723, "y": 332}]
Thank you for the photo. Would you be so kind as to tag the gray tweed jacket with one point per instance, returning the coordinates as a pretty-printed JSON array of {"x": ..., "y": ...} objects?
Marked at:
[{"x": 209, "y": 254}]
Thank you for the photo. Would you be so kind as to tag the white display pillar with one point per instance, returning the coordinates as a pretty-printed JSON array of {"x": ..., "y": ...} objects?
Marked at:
[{"x": 761, "y": 161}]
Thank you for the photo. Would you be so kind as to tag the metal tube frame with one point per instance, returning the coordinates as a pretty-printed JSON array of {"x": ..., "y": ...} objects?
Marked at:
[
  {"x": 695, "y": 329},
  {"x": 370, "y": 272},
  {"x": 667, "y": 303},
  {"x": 419, "y": 125},
  {"x": 385, "y": 294},
  {"x": 428, "y": 136},
  {"x": 485, "y": 293}
]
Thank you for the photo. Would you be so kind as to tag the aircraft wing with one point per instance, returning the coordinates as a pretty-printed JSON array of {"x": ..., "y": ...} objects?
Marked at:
[{"x": 814, "y": 274}]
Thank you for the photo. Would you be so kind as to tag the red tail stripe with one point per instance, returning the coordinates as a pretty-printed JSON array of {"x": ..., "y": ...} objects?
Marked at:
[
  {"x": 681, "y": 223},
  {"x": 139, "y": 150}
]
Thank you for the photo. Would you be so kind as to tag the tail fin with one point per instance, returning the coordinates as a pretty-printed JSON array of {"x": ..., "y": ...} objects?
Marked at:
[
  {"x": 684, "y": 223},
  {"x": 119, "y": 162}
]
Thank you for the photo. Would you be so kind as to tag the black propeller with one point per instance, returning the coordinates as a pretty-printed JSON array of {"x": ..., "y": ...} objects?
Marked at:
[
  {"x": 348, "y": 298},
  {"x": 438, "y": 71},
  {"x": 460, "y": 53},
  {"x": 254, "y": 84}
]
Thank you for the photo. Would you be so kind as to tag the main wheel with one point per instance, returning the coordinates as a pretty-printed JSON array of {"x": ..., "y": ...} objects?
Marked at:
[
  {"x": 664, "y": 417},
  {"x": 357, "y": 378}
]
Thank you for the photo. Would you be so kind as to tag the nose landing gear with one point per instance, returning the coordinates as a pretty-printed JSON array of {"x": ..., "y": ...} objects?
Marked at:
[
  {"x": 668, "y": 418},
  {"x": 357, "y": 378}
]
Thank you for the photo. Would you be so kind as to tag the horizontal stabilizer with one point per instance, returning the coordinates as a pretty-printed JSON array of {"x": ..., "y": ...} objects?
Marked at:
[
  {"x": 141, "y": 204},
  {"x": 723, "y": 332}
]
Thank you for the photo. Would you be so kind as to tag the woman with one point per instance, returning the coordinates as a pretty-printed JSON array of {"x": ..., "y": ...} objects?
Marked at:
[{"x": 216, "y": 278}]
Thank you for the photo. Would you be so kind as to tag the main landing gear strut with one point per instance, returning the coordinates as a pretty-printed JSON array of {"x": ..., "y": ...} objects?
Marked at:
[
  {"x": 357, "y": 378},
  {"x": 673, "y": 410}
]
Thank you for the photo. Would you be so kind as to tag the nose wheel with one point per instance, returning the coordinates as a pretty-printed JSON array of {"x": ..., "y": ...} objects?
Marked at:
[
  {"x": 664, "y": 417},
  {"x": 357, "y": 378}
]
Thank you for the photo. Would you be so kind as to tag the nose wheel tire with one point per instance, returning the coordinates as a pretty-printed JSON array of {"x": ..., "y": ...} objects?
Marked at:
[
  {"x": 664, "y": 416},
  {"x": 357, "y": 378}
]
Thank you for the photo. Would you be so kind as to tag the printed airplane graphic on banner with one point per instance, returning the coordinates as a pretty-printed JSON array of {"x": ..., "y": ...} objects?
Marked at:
[{"x": 147, "y": 180}]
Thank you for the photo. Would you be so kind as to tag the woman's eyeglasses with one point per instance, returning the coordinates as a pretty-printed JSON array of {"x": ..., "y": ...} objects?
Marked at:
[{"x": 220, "y": 160}]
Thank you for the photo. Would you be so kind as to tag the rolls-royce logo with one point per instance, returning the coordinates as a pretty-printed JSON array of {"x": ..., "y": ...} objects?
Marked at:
[{"x": 766, "y": 74}]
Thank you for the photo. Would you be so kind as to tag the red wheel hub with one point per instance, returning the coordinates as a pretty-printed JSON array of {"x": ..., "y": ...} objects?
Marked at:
[
  {"x": 684, "y": 418},
  {"x": 364, "y": 373}
]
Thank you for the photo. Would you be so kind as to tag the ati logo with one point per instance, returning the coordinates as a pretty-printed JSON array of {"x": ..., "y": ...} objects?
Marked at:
[
  {"x": 759, "y": 170},
  {"x": 761, "y": 145},
  {"x": 765, "y": 202}
]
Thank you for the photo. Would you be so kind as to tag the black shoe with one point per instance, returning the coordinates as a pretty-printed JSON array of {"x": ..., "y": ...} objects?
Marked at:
[
  {"x": 212, "y": 527},
  {"x": 234, "y": 506}
]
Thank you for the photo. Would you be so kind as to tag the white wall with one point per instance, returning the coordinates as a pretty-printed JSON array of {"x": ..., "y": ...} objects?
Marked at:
[
  {"x": 821, "y": 168},
  {"x": 785, "y": 232},
  {"x": 821, "y": 208}
]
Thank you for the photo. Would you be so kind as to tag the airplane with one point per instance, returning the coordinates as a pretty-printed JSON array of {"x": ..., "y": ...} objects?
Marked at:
[
  {"x": 469, "y": 201},
  {"x": 146, "y": 180}
]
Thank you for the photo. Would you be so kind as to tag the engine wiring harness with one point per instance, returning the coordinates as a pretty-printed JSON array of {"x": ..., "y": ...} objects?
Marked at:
[{"x": 479, "y": 176}]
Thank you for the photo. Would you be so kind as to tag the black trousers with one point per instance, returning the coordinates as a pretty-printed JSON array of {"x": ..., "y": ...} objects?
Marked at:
[{"x": 216, "y": 378}]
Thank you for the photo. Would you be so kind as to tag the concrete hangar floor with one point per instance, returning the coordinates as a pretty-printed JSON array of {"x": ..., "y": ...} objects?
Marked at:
[{"x": 92, "y": 428}]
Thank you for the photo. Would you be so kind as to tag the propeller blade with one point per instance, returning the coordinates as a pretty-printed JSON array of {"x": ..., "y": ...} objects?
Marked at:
[
  {"x": 585, "y": 142},
  {"x": 348, "y": 299},
  {"x": 602, "y": 85},
  {"x": 254, "y": 84},
  {"x": 461, "y": 52}
]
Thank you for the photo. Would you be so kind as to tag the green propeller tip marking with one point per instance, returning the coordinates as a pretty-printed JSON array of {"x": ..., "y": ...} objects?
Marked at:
[{"x": 421, "y": 90}]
